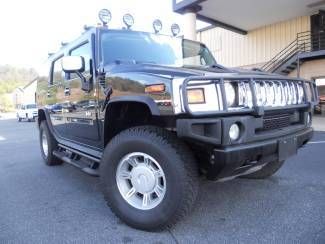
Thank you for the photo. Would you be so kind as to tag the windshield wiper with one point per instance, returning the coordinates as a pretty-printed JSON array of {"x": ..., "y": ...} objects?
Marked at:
[
  {"x": 217, "y": 66},
  {"x": 132, "y": 61},
  {"x": 124, "y": 61}
]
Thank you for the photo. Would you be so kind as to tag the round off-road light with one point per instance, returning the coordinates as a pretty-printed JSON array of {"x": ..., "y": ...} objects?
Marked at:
[
  {"x": 105, "y": 16},
  {"x": 128, "y": 20},
  {"x": 175, "y": 29},
  {"x": 234, "y": 132},
  {"x": 157, "y": 26}
]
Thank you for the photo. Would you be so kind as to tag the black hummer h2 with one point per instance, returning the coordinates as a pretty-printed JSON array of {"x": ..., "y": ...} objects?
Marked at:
[{"x": 150, "y": 113}]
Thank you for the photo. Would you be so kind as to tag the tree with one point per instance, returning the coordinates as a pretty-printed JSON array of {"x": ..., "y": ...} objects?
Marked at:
[
  {"x": 6, "y": 103},
  {"x": 12, "y": 77}
]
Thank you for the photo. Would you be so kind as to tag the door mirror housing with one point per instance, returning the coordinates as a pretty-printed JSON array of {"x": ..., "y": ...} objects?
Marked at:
[
  {"x": 76, "y": 64},
  {"x": 73, "y": 64}
]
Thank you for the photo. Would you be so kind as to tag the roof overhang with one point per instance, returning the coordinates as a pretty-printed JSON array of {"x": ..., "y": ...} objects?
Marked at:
[{"x": 243, "y": 16}]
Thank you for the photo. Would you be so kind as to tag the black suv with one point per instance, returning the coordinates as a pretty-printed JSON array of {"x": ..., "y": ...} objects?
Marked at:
[{"x": 150, "y": 114}]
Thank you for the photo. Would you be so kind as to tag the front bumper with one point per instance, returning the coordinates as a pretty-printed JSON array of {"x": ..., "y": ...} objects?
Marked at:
[
  {"x": 226, "y": 159},
  {"x": 240, "y": 159}
]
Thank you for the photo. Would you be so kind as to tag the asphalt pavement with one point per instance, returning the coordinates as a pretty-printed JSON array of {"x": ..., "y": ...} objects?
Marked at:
[{"x": 40, "y": 204}]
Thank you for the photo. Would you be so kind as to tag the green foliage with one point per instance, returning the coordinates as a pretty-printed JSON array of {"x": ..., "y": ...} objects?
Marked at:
[
  {"x": 12, "y": 77},
  {"x": 6, "y": 104}
]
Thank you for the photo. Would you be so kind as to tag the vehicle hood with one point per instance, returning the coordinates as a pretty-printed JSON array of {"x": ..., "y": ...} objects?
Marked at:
[{"x": 180, "y": 72}]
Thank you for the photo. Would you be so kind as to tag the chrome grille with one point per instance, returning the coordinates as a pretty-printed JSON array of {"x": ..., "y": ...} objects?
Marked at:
[{"x": 278, "y": 93}]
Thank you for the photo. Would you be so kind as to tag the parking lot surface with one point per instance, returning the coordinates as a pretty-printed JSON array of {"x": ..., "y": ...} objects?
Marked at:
[{"x": 40, "y": 204}]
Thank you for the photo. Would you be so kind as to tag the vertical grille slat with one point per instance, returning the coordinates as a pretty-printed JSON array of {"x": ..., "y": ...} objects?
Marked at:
[{"x": 273, "y": 93}]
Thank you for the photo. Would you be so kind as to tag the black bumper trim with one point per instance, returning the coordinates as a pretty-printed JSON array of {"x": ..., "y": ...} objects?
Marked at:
[{"x": 239, "y": 158}]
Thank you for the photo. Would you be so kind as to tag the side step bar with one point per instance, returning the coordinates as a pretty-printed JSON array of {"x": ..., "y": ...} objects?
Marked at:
[{"x": 75, "y": 160}]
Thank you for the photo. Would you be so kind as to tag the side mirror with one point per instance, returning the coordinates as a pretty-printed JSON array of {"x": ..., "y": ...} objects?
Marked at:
[
  {"x": 73, "y": 64},
  {"x": 76, "y": 64}
]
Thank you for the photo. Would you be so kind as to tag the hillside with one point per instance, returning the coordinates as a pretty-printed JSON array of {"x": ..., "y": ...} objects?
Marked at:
[{"x": 12, "y": 77}]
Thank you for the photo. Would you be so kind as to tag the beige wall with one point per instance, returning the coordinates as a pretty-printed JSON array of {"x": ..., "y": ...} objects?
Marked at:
[
  {"x": 311, "y": 69},
  {"x": 255, "y": 48}
]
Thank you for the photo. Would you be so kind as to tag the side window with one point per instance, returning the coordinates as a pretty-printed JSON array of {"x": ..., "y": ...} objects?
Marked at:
[
  {"x": 84, "y": 51},
  {"x": 58, "y": 74}
]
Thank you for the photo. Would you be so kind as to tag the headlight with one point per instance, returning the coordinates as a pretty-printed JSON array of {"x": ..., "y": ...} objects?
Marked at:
[
  {"x": 195, "y": 96},
  {"x": 230, "y": 94}
]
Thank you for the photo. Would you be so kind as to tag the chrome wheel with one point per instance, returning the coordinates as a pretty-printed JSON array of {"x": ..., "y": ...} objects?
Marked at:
[
  {"x": 44, "y": 143},
  {"x": 141, "y": 180}
]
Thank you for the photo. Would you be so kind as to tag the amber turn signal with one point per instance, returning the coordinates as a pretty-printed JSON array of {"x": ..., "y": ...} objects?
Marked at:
[
  {"x": 155, "y": 88},
  {"x": 195, "y": 96}
]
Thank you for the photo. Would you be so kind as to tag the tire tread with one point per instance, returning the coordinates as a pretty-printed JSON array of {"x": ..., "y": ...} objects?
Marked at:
[{"x": 164, "y": 137}]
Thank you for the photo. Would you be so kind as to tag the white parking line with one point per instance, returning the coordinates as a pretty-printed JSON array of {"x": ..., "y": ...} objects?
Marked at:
[
  {"x": 2, "y": 138},
  {"x": 316, "y": 142}
]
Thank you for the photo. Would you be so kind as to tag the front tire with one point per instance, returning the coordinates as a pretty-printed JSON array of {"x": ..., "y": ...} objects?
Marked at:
[
  {"x": 267, "y": 171},
  {"x": 149, "y": 177},
  {"x": 48, "y": 144}
]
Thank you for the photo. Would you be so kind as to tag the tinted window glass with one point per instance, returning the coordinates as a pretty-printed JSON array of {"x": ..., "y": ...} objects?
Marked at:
[
  {"x": 58, "y": 73},
  {"x": 195, "y": 53},
  {"x": 150, "y": 48},
  {"x": 85, "y": 52},
  {"x": 30, "y": 106}
]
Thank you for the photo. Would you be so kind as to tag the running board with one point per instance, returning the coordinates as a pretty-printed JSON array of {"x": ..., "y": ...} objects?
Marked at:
[{"x": 75, "y": 160}]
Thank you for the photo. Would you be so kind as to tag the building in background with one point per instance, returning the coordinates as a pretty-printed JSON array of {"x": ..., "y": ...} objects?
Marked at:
[
  {"x": 279, "y": 36},
  {"x": 25, "y": 95}
]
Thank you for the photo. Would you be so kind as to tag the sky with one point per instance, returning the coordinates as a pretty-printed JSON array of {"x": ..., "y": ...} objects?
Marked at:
[{"x": 33, "y": 28}]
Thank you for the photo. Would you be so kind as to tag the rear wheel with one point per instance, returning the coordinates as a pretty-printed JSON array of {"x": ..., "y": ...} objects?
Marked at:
[
  {"x": 48, "y": 144},
  {"x": 149, "y": 178},
  {"x": 267, "y": 171}
]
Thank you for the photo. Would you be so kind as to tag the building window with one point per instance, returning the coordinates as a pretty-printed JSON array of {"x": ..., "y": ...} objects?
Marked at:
[{"x": 320, "y": 83}]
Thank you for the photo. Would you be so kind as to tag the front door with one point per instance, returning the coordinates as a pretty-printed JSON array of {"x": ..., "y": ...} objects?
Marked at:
[{"x": 80, "y": 107}]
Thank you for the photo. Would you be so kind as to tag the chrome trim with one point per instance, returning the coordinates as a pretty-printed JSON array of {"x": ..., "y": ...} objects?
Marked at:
[{"x": 281, "y": 91}]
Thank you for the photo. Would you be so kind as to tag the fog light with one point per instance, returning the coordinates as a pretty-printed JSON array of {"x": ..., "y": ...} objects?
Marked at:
[{"x": 234, "y": 132}]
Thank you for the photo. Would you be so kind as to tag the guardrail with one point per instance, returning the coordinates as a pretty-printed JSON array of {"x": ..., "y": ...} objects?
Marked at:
[{"x": 305, "y": 42}]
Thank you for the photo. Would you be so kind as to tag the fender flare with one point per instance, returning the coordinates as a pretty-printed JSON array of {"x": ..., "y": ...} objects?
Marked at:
[{"x": 146, "y": 100}]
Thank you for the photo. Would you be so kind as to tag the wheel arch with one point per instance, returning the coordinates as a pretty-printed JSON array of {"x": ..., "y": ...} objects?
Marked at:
[
  {"x": 126, "y": 112},
  {"x": 41, "y": 116}
]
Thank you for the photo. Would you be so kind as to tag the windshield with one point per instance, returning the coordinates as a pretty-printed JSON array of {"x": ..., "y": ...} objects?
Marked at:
[
  {"x": 138, "y": 47},
  {"x": 30, "y": 106}
]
